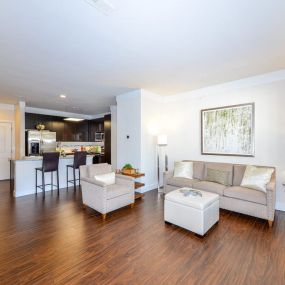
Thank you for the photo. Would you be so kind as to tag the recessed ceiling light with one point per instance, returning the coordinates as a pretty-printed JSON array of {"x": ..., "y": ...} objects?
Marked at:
[
  {"x": 62, "y": 96},
  {"x": 73, "y": 119}
]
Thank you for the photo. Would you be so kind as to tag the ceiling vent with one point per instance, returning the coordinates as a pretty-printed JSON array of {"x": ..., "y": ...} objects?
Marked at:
[{"x": 103, "y": 6}]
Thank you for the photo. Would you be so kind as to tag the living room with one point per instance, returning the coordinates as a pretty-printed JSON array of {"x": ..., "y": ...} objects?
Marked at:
[{"x": 159, "y": 151}]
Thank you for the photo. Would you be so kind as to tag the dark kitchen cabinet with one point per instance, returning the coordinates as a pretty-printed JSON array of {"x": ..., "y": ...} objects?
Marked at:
[
  {"x": 96, "y": 125},
  {"x": 76, "y": 131},
  {"x": 107, "y": 138},
  {"x": 65, "y": 130},
  {"x": 58, "y": 127},
  {"x": 82, "y": 131}
]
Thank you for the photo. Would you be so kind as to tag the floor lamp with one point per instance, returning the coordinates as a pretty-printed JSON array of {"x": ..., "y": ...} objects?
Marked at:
[{"x": 161, "y": 143}]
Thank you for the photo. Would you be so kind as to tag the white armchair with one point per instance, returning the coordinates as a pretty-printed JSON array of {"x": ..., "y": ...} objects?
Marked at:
[{"x": 105, "y": 198}]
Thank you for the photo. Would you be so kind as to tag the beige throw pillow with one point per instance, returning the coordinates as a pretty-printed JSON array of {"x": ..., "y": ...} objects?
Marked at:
[
  {"x": 108, "y": 178},
  {"x": 183, "y": 169},
  {"x": 256, "y": 177},
  {"x": 218, "y": 176}
]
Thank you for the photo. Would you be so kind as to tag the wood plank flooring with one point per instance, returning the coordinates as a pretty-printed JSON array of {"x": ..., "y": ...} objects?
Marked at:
[{"x": 55, "y": 241}]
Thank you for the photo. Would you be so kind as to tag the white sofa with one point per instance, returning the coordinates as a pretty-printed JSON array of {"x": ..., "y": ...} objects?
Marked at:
[{"x": 105, "y": 198}]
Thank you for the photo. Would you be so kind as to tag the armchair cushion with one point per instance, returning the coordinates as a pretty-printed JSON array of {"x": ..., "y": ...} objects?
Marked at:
[
  {"x": 107, "y": 178},
  {"x": 93, "y": 181}
]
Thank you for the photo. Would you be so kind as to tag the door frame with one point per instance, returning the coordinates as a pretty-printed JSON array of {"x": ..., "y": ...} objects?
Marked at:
[{"x": 12, "y": 136}]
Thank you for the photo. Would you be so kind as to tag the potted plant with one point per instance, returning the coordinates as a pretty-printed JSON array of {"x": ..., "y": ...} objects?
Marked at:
[{"x": 128, "y": 169}]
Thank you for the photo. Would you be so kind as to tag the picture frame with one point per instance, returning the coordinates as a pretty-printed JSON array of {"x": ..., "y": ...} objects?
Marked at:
[{"x": 228, "y": 130}]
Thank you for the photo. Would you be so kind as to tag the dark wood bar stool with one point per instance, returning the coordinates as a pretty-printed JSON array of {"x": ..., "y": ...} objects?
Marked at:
[
  {"x": 50, "y": 164},
  {"x": 79, "y": 159}
]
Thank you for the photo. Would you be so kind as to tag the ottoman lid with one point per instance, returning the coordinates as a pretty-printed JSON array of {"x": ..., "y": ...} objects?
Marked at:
[{"x": 196, "y": 202}]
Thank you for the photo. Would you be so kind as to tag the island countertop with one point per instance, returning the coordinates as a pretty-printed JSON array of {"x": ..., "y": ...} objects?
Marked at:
[
  {"x": 24, "y": 174},
  {"x": 37, "y": 158}
]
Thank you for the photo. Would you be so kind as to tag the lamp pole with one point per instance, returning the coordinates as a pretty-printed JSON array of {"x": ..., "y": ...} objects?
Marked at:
[{"x": 161, "y": 142}]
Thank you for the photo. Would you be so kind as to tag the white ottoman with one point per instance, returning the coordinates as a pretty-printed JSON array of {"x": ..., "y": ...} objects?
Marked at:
[{"x": 194, "y": 213}]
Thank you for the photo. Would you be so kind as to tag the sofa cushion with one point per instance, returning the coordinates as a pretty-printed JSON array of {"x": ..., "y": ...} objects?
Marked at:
[
  {"x": 239, "y": 170},
  {"x": 220, "y": 166},
  {"x": 180, "y": 182},
  {"x": 209, "y": 186},
  {"x": 116, "y": 190},
  {"x": 198, "y": 170},
  {"x": 246, "y": 194}
]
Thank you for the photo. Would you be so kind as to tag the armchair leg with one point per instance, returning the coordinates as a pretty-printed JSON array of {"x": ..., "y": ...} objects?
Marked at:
[
  {"x": 104, "y": 217},
  {"x": 83, "y": 206},
  {"x": 270, "y": 224},
  {"x": 132, "y": 205}
]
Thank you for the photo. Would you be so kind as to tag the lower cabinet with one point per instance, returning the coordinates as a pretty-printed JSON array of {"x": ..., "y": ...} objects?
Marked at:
[{"x": 98, "y": 159}]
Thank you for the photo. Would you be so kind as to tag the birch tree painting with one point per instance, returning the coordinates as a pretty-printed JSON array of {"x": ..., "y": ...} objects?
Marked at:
[{"x": 228, "y": 130}]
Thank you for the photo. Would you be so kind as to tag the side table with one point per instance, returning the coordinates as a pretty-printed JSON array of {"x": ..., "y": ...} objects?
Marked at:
[{"x": 137, "y": 184}]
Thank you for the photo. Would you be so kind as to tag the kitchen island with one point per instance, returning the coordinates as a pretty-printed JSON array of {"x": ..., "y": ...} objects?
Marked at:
[{"x": 23, "y": 174}]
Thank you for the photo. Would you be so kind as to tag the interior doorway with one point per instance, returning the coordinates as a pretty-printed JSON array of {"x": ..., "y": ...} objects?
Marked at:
[{"x": 6, "y": 149}]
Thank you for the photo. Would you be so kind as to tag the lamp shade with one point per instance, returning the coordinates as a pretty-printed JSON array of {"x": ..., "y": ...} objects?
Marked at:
[{"x": 162, "y": 140}]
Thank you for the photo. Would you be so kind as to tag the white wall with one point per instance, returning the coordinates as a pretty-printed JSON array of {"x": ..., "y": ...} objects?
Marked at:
[
  {"x": 7, "y": 114},
  {"x": 151, "y": 127},
  {"x": 114, "y": 136},
  {"x": 182, "y": 124},
  {"x": 138, "y": 115},
  {"x": 129, "y": 124},
  {"x": 20, "y": 129}
]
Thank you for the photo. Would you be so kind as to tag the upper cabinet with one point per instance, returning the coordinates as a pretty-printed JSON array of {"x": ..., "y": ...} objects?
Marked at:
[
  {"x": 65, "y": 131},
  {"x": 76, "y": 131},
  {"x": 107, "y": 138},
  {"x": 96, "y": 125},
  {"x": 83, "y": 131}
]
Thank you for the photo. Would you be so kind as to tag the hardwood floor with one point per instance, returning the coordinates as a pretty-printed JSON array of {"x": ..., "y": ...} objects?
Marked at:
[{"x": 55, "y": 241}]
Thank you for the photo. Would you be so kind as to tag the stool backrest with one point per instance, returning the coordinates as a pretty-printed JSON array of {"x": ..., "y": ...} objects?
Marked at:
[
  {"x": 50, "y": 161},
  {"x": 79, "y": 158}
]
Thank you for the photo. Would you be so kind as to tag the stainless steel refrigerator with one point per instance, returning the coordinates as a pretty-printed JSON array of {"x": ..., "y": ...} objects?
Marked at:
[{"x": 38, "y": 142}]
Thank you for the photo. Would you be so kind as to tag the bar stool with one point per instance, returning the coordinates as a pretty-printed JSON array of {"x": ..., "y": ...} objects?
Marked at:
[
  {"x": 50, "y": 164},
  {"x": 79, "y": 159}
]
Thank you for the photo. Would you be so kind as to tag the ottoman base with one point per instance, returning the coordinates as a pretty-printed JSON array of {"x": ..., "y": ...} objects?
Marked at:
[{"x": 194, "y": 220}]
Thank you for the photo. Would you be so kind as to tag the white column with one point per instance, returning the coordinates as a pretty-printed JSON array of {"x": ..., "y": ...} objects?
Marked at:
[
  {"x": 20, "y": 129},
  {"x": 114, "y": 136}
]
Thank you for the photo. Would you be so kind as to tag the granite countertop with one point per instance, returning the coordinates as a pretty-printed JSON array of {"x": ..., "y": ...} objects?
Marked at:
[{"x": 36, "y": 158}]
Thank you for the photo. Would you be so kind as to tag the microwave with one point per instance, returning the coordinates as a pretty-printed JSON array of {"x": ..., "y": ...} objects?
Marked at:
[{"x": 99, "y": 136}]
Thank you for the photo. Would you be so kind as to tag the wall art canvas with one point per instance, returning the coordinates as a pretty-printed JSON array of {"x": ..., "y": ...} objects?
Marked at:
[{"x": 228, "y": 130}]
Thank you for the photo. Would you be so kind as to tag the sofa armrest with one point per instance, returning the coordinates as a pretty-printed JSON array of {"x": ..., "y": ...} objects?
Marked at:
[
  {"x": 94, "y": 194},
  {"x": 271, "y": 197},
  {"x": 125, "y": 177},
  {"x": 271, "y": 186},
  {"x": 93, "y": 181},
  {"x": 166, "y": 175}
]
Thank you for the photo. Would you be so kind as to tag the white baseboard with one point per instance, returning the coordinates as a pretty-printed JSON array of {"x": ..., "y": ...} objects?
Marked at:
[{"x": 280, "y": 206}]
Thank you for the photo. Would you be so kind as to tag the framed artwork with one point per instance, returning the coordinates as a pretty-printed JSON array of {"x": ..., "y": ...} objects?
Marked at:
[{"x": 228, "y": 130}]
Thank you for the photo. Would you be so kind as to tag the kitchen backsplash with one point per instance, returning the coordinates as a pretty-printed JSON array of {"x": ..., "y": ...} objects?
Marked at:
[{"x": 69, "y": 146}]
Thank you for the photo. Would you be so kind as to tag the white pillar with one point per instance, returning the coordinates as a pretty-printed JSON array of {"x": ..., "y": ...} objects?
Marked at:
[
  {"x": 20, "y": 129},
  {"x": 114, "y": 136}
]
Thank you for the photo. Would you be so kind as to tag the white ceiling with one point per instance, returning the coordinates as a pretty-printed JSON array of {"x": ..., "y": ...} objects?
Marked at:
[{"x": 166, "y": 46}]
